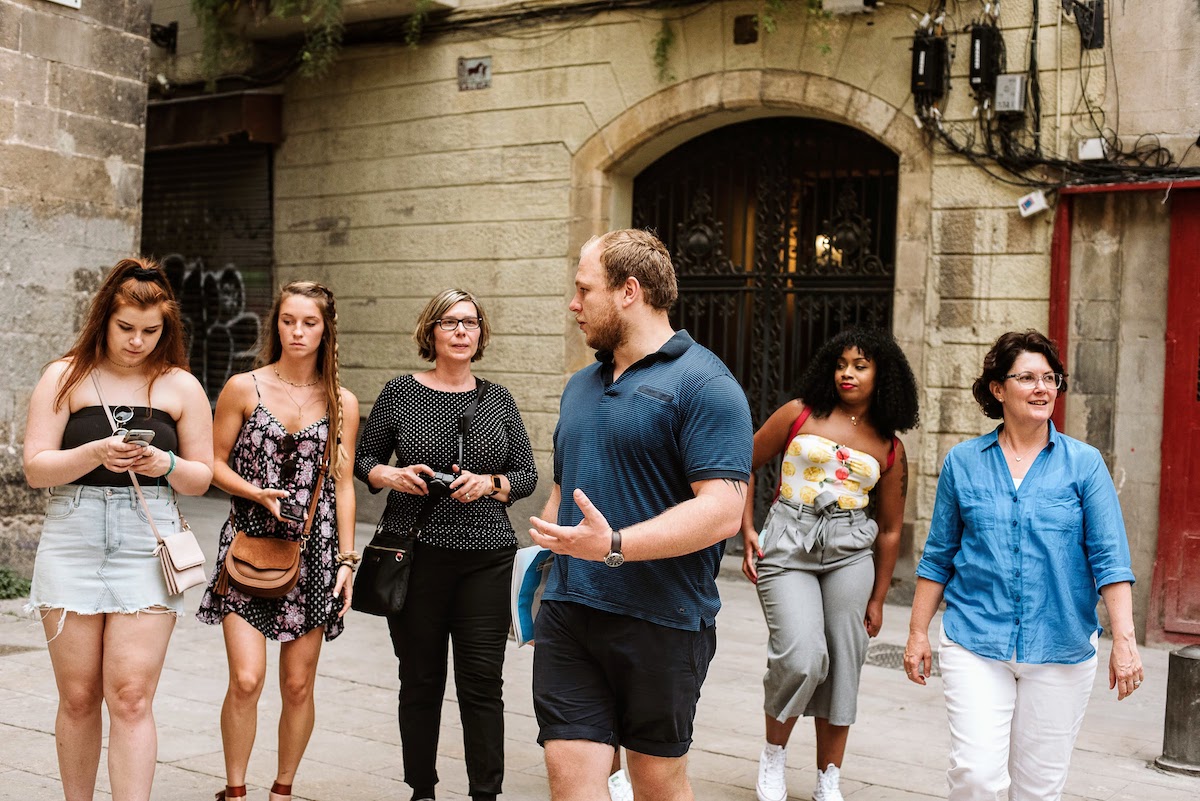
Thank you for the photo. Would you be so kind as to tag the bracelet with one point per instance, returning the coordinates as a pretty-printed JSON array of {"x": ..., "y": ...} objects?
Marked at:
[
  {"x": 348, "y": 558},
  {"x": 346, "y": 564},
  {"x": 170, "y": 469}
]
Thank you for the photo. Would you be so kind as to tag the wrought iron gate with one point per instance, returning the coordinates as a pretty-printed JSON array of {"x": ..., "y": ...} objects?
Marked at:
[{"x": 783, "y": 233}]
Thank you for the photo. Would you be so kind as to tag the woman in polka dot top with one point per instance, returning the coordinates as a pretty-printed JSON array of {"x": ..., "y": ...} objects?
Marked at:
[{"x": 462, "y": 563}]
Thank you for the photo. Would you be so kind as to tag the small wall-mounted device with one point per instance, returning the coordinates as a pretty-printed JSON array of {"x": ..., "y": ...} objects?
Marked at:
[
  {"x": 985, "y": 57},
  {"x": 928, "y": 65},
  {"x": 1010, "y": 94},
  {"x": 1032, "y": 203}
]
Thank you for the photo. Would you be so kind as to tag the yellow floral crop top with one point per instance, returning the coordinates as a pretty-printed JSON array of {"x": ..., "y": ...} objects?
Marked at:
[{"x": 813, "y": 464}]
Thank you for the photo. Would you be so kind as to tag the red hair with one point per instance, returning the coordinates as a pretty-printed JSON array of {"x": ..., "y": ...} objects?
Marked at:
[{"x": 141, "y": 284}]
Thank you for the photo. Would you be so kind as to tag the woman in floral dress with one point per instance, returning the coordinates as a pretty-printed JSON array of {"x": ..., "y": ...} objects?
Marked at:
[
  {"x": 821, "y": 591},
  {"x": 270, "y": 435}
]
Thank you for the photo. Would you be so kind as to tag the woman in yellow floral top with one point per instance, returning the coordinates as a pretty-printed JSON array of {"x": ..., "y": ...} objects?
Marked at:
[{"x": 821, "y": 586}]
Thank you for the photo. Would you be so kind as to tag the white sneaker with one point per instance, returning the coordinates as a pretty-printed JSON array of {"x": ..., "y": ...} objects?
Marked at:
[
  {"x": 619, "y": 788},
  {"x": 772, "y": 784},
  {"x": 827, "y": 784}
]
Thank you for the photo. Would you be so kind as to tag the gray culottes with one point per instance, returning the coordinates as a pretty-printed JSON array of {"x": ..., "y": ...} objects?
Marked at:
[{"x": 814, "y": 580}]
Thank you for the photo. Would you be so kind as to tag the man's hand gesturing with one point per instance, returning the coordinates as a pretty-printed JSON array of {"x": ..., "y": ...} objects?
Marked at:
[{"x": 591, "y": 539}]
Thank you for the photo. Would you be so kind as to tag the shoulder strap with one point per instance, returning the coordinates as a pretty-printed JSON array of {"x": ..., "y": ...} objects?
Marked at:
[
  {"x": 317, "y": 487},
  {"x": 892, "y": 454},
  {"x": 254, "y": 378},
  {"x": 132, "y": 476},
  {"x": 805, "y": 413},
  {"x": 468, "y": 415}
]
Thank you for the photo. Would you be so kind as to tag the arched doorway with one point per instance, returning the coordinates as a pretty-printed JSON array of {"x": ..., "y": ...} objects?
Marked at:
[{"x": 783, "y": 232}]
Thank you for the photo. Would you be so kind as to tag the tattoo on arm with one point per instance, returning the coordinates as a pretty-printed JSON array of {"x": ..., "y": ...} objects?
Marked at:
[
  {"x": 738, "y": 486},
  {"x": 904, "y": 475}
]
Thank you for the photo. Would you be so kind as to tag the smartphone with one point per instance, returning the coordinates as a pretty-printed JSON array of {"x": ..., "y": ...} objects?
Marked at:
[
  {"x": 290, "y": 510},
  {"x": 143, "y": 435}
]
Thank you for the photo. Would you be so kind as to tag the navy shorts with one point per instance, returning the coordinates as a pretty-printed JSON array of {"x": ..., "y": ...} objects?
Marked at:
[{"x": 616, "y": 679}]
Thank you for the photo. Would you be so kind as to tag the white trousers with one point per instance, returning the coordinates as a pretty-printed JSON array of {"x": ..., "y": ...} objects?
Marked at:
[{"x": 1011, "y": 725}]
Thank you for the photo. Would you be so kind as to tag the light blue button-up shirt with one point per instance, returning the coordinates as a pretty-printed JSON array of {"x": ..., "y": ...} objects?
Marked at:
[{"x": 1022, "y": 567}]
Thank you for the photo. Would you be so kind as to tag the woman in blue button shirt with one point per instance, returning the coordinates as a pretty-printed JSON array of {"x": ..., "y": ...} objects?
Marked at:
[{"x": 1026, "y": 528}]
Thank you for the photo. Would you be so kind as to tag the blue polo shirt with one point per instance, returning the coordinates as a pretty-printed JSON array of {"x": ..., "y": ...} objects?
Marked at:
[
  {"x": 634, "y": 446},
  {"x": 1022, "y": 567}
]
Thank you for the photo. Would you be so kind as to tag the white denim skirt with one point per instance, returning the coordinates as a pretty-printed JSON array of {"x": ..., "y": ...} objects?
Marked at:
[{"x": 96, "y": 554}]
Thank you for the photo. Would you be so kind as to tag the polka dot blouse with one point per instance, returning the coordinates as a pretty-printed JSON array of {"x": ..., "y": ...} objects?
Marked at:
[{"x": 419, "y": 425}]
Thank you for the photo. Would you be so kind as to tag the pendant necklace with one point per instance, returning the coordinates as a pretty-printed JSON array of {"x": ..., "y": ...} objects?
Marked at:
[
  {"x": 286, "y": 391},
  {"x": 1039, "y": 446}
]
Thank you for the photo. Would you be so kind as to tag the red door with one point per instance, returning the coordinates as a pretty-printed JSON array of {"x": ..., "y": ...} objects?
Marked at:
[{"x": 1176, "y": 588}]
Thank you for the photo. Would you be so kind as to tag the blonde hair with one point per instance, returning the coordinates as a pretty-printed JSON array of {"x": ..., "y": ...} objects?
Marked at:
[
  {"x": 642, "y": 255},
  {"x": 327, "y": 355},
  {"x": 438, "y": 305}
]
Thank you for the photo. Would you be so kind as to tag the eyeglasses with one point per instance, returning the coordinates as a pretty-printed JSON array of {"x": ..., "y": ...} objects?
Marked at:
[
  {"x": 449, "y": 323},
  {"x": 1029, "y": 380},
  {"x": 287, "y": 446}
]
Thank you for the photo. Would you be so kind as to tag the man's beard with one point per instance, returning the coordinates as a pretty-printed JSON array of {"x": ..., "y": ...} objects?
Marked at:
[{"x": 607, "y": 333}]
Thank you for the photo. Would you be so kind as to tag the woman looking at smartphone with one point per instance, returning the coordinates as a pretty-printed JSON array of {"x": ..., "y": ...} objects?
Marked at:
[
  {"x": 270, "y": 435},
  {"x": 97, "y": 581}
]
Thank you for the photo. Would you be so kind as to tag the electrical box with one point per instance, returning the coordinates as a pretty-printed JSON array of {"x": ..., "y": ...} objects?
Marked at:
[
  {"x": 985, "y": 58},
  {"x": 1010, "y": 94},
  {"x": 847, "y": 6},
  {"x": 929, "y": 65}
]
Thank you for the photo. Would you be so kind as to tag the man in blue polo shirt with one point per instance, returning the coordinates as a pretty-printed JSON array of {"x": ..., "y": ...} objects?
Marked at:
[{"x": 651, "y": 459}]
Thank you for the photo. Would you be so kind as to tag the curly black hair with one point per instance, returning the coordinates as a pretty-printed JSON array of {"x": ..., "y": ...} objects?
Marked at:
[
  {"x": 894, "y": 404},
  {"x": 999, "y": 360}
]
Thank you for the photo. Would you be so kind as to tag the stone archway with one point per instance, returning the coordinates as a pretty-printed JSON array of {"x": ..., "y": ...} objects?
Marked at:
[{"x": 604, "y": 167}]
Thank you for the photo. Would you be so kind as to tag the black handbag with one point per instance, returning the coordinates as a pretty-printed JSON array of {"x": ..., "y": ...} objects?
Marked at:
[{"x": 381, "y": 585}]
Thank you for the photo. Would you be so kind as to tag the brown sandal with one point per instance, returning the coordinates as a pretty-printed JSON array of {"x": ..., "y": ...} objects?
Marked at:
[
  {"x": 281, "y": 789},
  {"x": 231, "y": 792}
]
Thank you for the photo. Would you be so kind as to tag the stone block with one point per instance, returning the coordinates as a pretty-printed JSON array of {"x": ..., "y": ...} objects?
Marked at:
[
  {"x": 1000, "y": 315},
  {"x": 871, "y": 113},
  {"x": 59, "y": 38},
  {"x": 132, "y": 16},
  {"x": 954, "y": 366},
  {"x": 968, "y": 187},
  {"x": 10, "y": 28},
  {"x": 97, "y": 95},
  {"x": 293, "y": 178},
  {"x": 1018, "y": 276},
  {"x": 1095, "y": 320},
  {"x": 831, "y": 96},
  {"x": 955, "y": 231},
  {"x": 1026, "y": 234},
  {"x": 8, "y": 113},
  {"x": 1094, "y": 367},
  {"x": 958, "y": 313},
  {"x": 957, "y": 277},
  {"x": 57, "y": 175},
  {"x": 22, "y": 79},
  {"x": 700, "y": 43}
]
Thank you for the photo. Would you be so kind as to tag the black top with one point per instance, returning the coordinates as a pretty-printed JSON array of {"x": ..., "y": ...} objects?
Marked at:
[
  {"x": 91, "y": 423},
  {"x": 420, "y": 426}
]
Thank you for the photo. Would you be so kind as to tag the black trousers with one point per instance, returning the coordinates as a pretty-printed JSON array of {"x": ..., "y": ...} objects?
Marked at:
[{"x": 460, "y": 596}]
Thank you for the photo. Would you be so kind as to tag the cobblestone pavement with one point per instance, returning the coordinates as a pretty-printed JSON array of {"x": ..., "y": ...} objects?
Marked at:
[{"x": 897, "y": 749}]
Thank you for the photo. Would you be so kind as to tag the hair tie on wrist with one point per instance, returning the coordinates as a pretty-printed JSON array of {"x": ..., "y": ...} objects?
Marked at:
[{"x": 170, "y": 469}]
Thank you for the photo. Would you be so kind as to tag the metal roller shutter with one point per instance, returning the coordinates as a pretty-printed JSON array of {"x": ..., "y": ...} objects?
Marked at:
[{"x": 206, "y": 215}]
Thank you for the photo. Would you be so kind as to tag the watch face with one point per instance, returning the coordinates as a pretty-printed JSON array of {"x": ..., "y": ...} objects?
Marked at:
[
  {"x": 614, "y": 560},
  {"x": 496, "y": 485}
]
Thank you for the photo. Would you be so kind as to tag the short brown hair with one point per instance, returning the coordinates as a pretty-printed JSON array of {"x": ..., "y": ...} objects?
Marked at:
[
  {"x": 642, "y": 255},
  {"x": 999, "y": 360},
  {"x": 438, "y": 305}
]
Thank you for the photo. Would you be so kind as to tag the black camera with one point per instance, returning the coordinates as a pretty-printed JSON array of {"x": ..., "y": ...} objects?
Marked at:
[
  {"x": 290, "y": 510},
  {"x": 439, "y": 483}
]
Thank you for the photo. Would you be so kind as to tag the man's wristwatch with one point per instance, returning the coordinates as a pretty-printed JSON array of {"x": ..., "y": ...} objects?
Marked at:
[
  {"x": 615, "y": 557},
  {"x": 496, "y": 485}
]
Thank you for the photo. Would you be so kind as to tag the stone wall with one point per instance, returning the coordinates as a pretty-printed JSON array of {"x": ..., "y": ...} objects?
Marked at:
[{"x": 72, "y": 115}]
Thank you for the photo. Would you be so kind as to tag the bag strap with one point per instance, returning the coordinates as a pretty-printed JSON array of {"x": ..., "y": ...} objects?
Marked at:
[
  {"x": 468, "y": 416},
  {"x": 316, "y": 492},
  {"x": 112, "y": 421},
  {"x": 798, "y": 423},
  {"x": 464, "y": 425}
]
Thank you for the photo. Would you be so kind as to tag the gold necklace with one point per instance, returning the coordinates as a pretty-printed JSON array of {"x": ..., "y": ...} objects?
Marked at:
[
  {"x": 1025, "y": 455},
  {"x": 122, "y": 366},
  {"x": 275, "y": 368}
]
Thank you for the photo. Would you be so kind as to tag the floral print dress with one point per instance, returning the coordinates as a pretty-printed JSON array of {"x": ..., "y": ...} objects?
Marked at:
[{"x": 258, "y": 457}]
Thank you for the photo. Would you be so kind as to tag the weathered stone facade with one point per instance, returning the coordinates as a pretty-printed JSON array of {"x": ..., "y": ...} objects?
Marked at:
[
  {"x": 392, "y": 184},
  {"x": 72, "y": 116}
]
